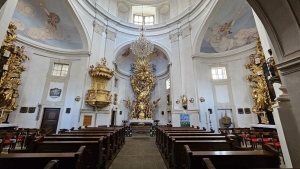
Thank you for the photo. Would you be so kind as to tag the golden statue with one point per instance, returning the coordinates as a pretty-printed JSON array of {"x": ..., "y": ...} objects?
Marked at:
[
  {"x": 128, "y": 103},
  {"x": 184, "y": 101},
  {"x": 11, "y": 73}
]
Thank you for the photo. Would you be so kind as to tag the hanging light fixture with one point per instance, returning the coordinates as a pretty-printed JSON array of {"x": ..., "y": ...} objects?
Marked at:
[{"x": 142, "y": 47}]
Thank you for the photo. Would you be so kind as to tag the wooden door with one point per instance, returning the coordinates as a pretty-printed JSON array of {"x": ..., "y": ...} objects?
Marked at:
[
  {"x": 113, "y": 118},
  {"x": 50, "y": 119}
]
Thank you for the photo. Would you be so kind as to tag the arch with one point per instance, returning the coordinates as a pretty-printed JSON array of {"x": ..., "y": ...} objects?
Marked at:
[
  {"x": 203, "y": 28},
  {"x": 78, "y": 23},
  {"x": 126, "y": 44}
]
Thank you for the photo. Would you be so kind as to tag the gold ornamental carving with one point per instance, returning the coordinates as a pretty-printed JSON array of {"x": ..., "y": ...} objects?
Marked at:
[
  {"x": 142, "y": 84},
  {"x": 11, "y": 60},
  {"x": 260, "y": 91},
  {"x": 97, "y": 97}
]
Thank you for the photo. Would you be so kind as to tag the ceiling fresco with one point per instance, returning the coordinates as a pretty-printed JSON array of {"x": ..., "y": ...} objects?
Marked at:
[
  {"x": 232, "y": 27},
  {"x": 159, "y": 61},
  {"x": 47, "y": 22}
]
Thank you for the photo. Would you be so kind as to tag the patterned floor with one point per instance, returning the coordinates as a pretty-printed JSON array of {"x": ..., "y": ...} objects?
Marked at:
[{"x": 139, "y": 152}]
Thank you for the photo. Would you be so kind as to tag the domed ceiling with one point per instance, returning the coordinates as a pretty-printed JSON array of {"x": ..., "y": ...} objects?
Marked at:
[
  {"x": 232, "y": 27},
  {"x": 126, "y": 59},
  {"x": 47, "y": 22},
  {"x": 146, "y": 2}
]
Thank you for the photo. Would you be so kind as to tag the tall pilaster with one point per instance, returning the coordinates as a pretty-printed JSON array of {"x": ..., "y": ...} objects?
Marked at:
[{"x": 6, "y": 14}]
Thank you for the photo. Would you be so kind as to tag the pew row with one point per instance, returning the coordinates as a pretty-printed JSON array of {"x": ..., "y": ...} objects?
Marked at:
[
  {"x": 77, "y": 160},
  {"x": 179, "y": 152},
  {"x": 231, "y": 159},
  {"x": 94, "y": 149}
]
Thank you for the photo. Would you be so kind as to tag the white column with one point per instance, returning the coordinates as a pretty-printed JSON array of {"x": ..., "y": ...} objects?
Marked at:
[{"x": 6, "y": 14}]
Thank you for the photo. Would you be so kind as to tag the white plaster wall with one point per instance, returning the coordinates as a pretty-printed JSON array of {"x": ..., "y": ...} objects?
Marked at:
[
  {"x": 31, "y": 90},
  {"x": 241, "y": 92}
]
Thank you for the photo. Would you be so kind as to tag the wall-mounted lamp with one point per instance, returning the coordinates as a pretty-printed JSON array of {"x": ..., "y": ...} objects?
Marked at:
[
  {"x": 162, "y": 112},
  {"x": 177, "y": 101},
  {"x": 120, "y": 112},
  {"x": 68, "y": 110},
  {"x": 77, "y": 98},
  {"x": 202, "y": 99},
  {"x": 191, "y": 100},
  {"x": 210, "y": 111}
]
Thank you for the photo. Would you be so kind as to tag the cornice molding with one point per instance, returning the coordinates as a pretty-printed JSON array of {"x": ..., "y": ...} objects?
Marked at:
[
  {"x": 119, "y": 22},
  {"x": 289, "y": 66},
  {"x": 52, "y": 50},
  {"x": 227, "y": 53}
]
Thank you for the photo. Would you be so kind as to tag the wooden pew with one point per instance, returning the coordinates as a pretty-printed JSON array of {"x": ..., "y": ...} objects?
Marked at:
[
  {"x": 113, "y": 138},
  {"x": 120, "y": 132},
  {"x": 94, "y": 149},
  {"x": 106, "y": 142},
  {"x": 231, "y": 159},
  {"x": 168, "y": 149},
  {"x": 179, "y": 152},
  {"x": 207, "y": 164},
  {"x": 159, "y": 131},
  {"x": 165, "y": 139},
  {"x": 162, "y": 130},
  {"x": 53, "y": 164},
  {"x": 75, "y": 160}
]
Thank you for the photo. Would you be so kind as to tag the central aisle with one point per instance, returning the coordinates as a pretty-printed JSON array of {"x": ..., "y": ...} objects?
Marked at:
[{"x": 139, "y": 153}]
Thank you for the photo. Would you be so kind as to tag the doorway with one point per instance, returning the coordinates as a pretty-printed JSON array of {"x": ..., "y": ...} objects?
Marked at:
[
  {"x": 113, "y": 118},
  {"x": 50, "y": 119},
  {"x": 221, "y": 113}
]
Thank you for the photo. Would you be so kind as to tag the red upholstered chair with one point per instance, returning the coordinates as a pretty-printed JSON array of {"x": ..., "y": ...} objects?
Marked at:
[
  {"x": 275, "y": 141},
  {"x": 254, "y": 138},
  {"x": 267, "y": 137},
  {"x": 21, "y": 136},
  {"x": 245, "y": 134},
  {"x": 2, "y": 137},
  {"x": 10, "y": 139}
]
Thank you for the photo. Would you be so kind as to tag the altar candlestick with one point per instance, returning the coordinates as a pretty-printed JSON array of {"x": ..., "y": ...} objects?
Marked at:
[{"x": 6, "y": 53}]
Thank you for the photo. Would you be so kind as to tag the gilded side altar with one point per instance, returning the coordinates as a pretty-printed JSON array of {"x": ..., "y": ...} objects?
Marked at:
[
  {"x": 11, "y": 60},
  {"x": 260, "y": 91}
]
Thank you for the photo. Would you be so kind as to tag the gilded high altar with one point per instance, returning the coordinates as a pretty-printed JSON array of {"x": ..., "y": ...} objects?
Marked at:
[
  {"x": 142, "y": 84},
  {"x": 11, "y": 60}
]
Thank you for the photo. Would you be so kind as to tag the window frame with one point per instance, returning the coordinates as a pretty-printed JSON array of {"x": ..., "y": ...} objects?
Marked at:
[
  {"x": 223, "y": 73},
  {"x": 168, "y": 80},
  {"x": 143, "y": 19},
  {"x": 66, "y": 73}
]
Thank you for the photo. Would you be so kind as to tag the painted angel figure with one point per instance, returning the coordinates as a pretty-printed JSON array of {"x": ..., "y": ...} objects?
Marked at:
[{"x": 53, "y": 18}]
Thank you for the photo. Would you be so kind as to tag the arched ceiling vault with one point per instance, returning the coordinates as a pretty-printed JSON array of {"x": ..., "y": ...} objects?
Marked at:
[{"x": 52, "y": 23}]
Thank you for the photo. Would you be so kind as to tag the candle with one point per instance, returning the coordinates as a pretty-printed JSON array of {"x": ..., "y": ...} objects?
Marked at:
[
  {"x": 5, "y": 67},
  {"x": 259, "y": 73},
  {"x": 6, "y": 53},
  {"x": 257, "y": 61}
]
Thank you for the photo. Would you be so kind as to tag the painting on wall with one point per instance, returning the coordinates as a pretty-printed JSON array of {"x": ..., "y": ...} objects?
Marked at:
[
  {"x": 47, "y": 22},
  {"x": 184, "y": 120},
  {"x": 232, "y": 27},
  {"x": 126, "y": 59}
]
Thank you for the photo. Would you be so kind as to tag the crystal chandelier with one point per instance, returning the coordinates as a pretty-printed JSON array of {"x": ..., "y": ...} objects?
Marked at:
[{"x": 142, "y": 47}]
